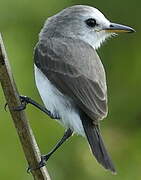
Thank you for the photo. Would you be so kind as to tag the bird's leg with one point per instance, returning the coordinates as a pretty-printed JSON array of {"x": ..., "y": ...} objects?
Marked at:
[
  {"x": 66, "y": 135},
  {"x": 44, "y": 158},
  {"x": 26, "y": 100}
]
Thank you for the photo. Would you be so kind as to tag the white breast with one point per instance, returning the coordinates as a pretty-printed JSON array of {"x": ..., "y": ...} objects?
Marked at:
[{"x": 55, "y": 101}]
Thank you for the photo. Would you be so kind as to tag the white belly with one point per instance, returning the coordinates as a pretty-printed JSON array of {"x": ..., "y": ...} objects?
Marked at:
[{"x": 55, "y": 101}]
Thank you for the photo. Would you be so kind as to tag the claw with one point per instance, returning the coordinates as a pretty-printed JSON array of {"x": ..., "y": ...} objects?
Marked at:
[
  {"x": 28, "y": 170},
  {"x": 5, "y": 107}
]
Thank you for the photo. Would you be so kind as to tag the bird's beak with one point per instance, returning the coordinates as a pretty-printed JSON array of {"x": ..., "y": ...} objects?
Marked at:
[{"x": 118, "y": 28}]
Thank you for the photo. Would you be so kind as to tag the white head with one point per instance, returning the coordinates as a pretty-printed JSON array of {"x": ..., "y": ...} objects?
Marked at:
[{"x": 82, "y": 22}]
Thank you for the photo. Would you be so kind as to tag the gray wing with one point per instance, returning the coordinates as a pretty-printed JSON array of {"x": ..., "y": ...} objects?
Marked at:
[{"x": 74, "y": 67}]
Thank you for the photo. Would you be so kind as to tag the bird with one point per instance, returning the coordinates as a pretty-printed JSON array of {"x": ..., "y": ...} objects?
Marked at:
[{"x": 70, "y": 76}]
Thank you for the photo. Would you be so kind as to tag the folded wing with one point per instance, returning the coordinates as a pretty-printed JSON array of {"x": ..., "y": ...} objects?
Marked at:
[{"x": 74, "y": 67}]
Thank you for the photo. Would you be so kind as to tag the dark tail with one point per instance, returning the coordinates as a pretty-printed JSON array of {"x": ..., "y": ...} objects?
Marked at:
[{"x": 96, "y": 143}]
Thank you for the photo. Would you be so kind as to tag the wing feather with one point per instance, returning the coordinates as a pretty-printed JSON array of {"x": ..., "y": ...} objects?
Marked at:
[{"x": 74, "y": 67}]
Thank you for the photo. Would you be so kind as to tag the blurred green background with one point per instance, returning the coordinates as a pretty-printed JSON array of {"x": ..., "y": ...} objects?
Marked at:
[{"x": 20, "y": 23}]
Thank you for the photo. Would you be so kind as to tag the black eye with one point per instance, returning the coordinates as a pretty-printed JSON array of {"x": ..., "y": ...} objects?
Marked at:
[{"x": 91, "y": 22}]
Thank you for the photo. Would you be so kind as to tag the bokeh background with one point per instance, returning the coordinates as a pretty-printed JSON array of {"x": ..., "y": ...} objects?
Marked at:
[{"x": 20, "y": 23}]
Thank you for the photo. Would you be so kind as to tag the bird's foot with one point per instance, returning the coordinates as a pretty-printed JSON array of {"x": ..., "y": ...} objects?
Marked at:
[
  {"x": 24, "y": 101},
  {"x": 42, "y": 163}
]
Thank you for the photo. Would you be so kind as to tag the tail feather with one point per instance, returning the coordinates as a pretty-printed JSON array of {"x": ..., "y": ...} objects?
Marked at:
[{"x": 94, "y": 138}]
